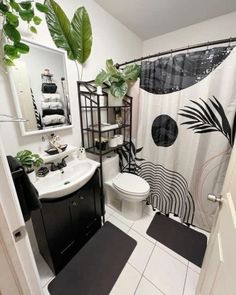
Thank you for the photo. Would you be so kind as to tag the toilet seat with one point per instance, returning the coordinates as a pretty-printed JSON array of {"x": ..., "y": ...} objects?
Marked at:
[{"x": 131, "y": 184}]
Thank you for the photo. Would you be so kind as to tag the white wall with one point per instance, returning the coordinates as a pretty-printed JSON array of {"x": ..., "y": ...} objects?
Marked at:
[
  {"x": 213, "y": 29},
  {"x": 110, "y": 40}
]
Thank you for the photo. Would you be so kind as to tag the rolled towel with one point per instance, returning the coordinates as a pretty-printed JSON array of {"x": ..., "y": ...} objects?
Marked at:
[
  {"x": 51, "y": 97},
  {"x": 53, "y": 112},
  {"x": 52, "y": 105},
  {"x": 54, "y": 119}
]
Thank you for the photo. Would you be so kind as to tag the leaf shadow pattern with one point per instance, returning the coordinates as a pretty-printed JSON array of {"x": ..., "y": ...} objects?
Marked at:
[
  {"x": 128, "y": 159},
  {"x": 207, "y": 118}
]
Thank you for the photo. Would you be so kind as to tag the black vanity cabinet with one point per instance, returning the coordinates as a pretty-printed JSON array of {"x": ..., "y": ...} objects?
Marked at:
[{"x": 62, "y": 226}]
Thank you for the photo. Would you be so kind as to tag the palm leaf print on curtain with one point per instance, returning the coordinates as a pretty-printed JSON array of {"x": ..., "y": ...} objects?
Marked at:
[
  {"x": 203, "y": 119},
  {"x": 187, "y": 105}
]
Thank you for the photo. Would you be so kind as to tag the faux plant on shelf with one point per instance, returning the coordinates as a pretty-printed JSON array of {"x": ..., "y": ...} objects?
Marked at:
[
  {"x": 118, "y": 79},
  {"x": 207, "y": 118},
  {"x": 124, "y": 152},
  {"x": 28, "y": 160},
  {"x": 74, "y": 36},
  {"x": 11, "y": 13}
]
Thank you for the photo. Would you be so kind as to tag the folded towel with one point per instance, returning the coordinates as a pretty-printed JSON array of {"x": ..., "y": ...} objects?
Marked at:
[
  {"x": 51, "y": 97},
  {"x": 54, "y": 119},
  {"x": 26, "y": 192},
  {"x": 52, "y": 105},
  {"x": 53, "y": 112}
]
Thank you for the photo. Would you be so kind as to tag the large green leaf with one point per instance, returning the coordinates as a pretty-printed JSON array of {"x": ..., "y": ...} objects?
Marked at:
[
  {"x": 22, "y": 47},
  {"x": 12, "y": 19},
  {"x": 119, "y": 89},
  {"x": 131, "y": 72},
  {"x": 12, "y": 32},
  {"x": 83, "y": 33},
  {"x": 26, "y": 15},
  {"x": 111, "y": 69},
  {"x": 60, "y": 29},
  {"x": 102, "y": 77},
  {"x": 41, "y": 7}
]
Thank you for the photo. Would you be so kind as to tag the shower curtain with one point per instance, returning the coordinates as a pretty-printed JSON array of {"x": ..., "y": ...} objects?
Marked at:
[{"x": 187, "y": 105}]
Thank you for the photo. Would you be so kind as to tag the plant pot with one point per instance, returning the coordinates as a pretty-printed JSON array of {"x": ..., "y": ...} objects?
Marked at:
[
  {"x": 114, "y": 101},
  {"x": 32, "y": 176}
]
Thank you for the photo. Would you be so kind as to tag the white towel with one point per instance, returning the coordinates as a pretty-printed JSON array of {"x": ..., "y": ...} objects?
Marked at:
[
  {"x": 52, "y": 105},
  {"x": 54, "y": 119},
  {"x": 51, "y": 97}
]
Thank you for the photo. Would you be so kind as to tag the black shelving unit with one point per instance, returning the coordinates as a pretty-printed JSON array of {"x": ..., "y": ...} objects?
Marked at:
[{"x": 93, "y": 112}]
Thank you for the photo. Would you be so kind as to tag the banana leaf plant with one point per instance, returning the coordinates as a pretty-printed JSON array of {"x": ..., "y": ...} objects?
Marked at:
[
  {"x": 118, "y": 79},
  {"x": 74, "y": 36},
  {"x": 11, "y": 13}
]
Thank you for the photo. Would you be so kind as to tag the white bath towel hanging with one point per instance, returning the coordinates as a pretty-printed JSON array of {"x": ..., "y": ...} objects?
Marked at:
[
  {"x": 47, "y": 97},
  {"x": 52, "y": 105},
  {"x": 54, "y": 119}
]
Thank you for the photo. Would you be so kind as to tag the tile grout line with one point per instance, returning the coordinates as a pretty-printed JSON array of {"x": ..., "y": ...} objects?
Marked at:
[
  {"x": 185, "y": 280},
  {"x": 153, "y": 284}
]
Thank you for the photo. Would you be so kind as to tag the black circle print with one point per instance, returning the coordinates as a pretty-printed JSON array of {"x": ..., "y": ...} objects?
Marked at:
[{"x": 164, "y": 130}]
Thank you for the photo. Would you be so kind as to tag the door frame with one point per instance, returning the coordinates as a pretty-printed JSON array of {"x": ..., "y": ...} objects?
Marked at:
[{"x": 19, "y": 256}]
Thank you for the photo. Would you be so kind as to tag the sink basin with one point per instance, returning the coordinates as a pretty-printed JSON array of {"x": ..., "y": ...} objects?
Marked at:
[{"x": 57, "y": 184}]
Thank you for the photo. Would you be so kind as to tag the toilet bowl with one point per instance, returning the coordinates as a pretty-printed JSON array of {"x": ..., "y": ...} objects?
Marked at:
[{"x": 124, "y": 191}]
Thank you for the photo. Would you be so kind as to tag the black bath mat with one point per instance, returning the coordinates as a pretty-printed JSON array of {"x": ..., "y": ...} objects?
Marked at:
[
  {"x": 97, "y": 266},
  {"x": 183, "y": 240}
]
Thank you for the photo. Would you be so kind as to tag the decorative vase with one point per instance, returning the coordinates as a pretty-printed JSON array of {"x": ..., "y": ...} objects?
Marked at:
[{"x": 114, "y": 101}]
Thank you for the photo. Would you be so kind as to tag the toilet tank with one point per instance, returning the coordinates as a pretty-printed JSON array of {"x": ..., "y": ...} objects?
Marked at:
[{"x": 110, "y": 167}]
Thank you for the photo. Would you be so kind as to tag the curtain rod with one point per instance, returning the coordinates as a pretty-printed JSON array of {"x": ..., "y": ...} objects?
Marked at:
[{"x": 209, "y": 43}]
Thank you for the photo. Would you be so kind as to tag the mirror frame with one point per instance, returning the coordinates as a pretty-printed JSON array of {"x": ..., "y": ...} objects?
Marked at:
[{"x": 15, "y": 96}]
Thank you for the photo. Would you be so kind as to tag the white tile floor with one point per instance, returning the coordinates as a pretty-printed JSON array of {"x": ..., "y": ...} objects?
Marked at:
[{"x": 152, "y": 269}]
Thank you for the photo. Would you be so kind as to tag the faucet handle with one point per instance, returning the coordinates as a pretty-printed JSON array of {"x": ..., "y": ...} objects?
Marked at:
[
  {"x": 63, "y": 162},
  {"x": 53, "y": 166}
]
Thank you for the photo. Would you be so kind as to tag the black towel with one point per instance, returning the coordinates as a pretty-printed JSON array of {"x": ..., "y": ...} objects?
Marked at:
[
  {"x": 53, "y": 112},
  {"x": 26, "y": 192}
]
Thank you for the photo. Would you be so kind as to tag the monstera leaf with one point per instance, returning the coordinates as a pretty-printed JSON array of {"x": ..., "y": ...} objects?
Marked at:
[
  {"x": 207, "y": 118},
  {"x": 83, "y": 34},
  {"x": 60, "y": 29}
]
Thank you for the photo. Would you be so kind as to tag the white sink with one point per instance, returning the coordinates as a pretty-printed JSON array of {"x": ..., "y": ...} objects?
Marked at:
[{"x": 57, "y": 184}]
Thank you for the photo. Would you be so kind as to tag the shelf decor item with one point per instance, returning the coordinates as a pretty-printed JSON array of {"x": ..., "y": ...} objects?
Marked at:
[{"x": 117, "y": 79}]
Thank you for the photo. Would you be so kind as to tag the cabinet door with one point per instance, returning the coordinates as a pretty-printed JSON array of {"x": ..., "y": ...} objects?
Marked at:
[
  {"x": 58, "y": 227},
  {"x": 83, "y": 209}
]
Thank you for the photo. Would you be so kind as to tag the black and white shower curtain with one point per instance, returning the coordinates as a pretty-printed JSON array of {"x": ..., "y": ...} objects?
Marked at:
[{"x": 187, "y": 105}]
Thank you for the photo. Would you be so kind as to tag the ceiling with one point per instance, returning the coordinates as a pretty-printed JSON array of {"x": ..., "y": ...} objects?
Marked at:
[{"x": 151, "y": 18}]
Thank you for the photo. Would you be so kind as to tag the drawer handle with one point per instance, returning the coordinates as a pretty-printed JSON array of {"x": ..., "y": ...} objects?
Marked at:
[
  {"x": 74, "y": 204},
  {"x": 81, "y": 197}
]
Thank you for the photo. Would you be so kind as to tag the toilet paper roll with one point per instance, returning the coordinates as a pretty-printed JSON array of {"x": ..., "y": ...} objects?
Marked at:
[
  {"x": 119, "y": 139},
  {"x": 112, "y": 142}
]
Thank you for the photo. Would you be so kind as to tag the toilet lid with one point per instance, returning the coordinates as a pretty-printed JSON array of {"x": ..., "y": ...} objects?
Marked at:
[{"x": 131, "y": 184}]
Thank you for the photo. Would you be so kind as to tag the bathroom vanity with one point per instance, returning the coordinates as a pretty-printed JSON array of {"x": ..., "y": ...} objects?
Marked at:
[{"x": 63, "y": 225}]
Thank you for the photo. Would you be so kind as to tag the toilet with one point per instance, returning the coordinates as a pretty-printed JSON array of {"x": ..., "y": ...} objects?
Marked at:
[{"x": 123, "y": 191}]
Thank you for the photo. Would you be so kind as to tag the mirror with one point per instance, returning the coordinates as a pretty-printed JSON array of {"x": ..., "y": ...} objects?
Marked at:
[{"x": 40, "y": 89}]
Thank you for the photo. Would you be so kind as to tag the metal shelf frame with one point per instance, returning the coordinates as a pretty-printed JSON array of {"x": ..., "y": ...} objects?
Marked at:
[{"x": 92, "y": 113}]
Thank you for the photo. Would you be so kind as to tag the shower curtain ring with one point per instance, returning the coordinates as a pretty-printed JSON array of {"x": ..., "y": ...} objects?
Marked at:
[
  {"x": 230, "y": 40},
  {"x": 171, "y": 54},
  {"x": 208, "y": 43}
]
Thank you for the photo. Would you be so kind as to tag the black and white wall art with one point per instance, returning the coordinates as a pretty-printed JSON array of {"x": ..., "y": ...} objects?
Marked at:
[{"x": 187, "y": 106}]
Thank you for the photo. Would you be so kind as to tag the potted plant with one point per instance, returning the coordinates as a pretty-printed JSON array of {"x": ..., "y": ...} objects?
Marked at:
[
  {"x": 11, "y": 13},
  {"x": 29, "y": 161},
  {"x": 119, "y": 80}
]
